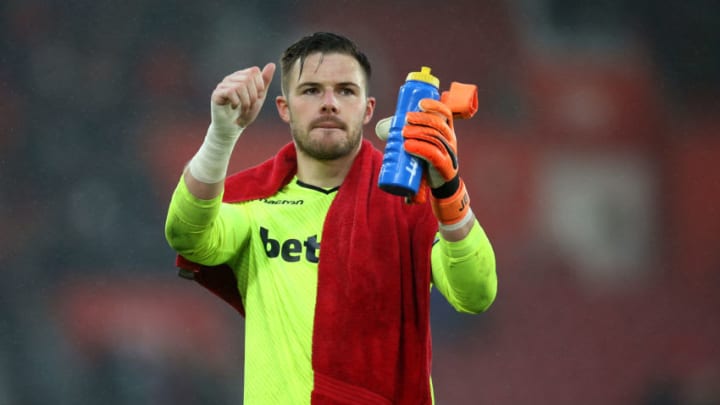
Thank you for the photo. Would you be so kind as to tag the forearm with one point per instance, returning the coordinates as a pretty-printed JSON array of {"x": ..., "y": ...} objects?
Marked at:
[
  {"x": 464, "y": 270},
  {"x": 205, "y": 174},
  {"x": 199, "y": 226},
  {"x": 202, "y": 190}
]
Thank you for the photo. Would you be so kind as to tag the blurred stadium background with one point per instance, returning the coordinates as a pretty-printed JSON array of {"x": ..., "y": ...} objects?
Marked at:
[{"x": 594, "y": 165}]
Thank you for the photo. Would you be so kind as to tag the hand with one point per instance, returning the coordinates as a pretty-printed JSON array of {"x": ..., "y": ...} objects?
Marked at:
[
  {"x": 237, "y": 100},
  {"x": 429, "y": 135},
  {"x": 235, "y": 103}
]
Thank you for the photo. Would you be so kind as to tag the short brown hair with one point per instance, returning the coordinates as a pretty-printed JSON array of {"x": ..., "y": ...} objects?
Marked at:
[{"x": 323, "y": 42}]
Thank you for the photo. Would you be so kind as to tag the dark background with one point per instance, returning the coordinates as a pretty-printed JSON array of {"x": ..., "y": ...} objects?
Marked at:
[{"x": 593, "y": 165}]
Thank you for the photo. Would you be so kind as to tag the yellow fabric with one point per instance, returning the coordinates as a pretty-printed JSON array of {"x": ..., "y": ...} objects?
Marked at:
[{"x": 273, "y": 246}]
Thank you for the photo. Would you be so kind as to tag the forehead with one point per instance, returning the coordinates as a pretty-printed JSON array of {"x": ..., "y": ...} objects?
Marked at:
[{"x": 327, "y": 68}]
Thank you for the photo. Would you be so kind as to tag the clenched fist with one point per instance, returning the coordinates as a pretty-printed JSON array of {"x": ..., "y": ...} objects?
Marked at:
[
  {"x": 235, "y": 103},
  {"x": 238, "y": 98}
]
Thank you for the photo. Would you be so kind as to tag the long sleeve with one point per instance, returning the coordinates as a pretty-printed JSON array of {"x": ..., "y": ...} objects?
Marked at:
[
  {"x": 207, "y": 232},
  {"x": 464, "y": 271}
]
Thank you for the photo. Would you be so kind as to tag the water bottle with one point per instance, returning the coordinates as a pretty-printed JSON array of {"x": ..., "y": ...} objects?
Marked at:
[{"x": 401, "y": 172}]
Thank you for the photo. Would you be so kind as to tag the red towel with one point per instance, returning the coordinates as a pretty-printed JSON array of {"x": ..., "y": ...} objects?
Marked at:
[{"x": 371, "y": 337}]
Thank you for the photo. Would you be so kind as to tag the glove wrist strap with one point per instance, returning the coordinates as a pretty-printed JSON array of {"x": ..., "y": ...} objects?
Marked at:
[
  {"x": 452, "y": 209},
  {"x": 448, "y": 189}
]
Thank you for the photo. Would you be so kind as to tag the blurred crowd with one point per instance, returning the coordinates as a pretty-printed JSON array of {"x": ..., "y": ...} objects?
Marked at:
[{"x": 594, "y": 163}]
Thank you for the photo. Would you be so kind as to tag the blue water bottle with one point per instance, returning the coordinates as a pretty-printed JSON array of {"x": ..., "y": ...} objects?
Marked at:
[{"x": 401, "y": 172}]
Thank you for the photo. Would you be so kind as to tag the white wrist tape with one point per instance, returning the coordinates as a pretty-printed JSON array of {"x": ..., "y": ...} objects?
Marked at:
[
  {"x": 210, "y": 163},
  {"x": 454, "y": 227}
]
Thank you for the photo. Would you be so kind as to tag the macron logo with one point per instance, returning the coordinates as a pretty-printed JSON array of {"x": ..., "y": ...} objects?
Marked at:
[{"x": 282, "y": 202}]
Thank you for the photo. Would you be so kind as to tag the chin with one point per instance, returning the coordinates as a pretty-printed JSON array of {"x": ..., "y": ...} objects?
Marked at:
[
  {"x": 328, "y": 149},
  {"x": 327, "y": 143}
]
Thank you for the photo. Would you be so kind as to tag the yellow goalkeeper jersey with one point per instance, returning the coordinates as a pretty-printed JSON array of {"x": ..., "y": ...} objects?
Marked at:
[{"x": 273, "y": 246}]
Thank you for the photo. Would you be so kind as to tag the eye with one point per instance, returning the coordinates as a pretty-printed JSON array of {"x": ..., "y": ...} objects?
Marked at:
[
  {"x": 310, "y": 91},
  {"x": 347, "y": 91}
]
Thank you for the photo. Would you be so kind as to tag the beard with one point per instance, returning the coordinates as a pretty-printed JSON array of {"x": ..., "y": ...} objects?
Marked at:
[{"x": 330, "y": 147}]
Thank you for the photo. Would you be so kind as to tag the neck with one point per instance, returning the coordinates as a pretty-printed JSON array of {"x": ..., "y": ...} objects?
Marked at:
[{"x": 324, "y": 173}]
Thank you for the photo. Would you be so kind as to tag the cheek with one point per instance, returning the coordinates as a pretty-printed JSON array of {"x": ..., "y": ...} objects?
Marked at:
[{"x": 296, "y": 112}]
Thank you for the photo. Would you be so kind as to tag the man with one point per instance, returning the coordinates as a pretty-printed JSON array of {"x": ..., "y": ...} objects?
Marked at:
[{"x": 349, "y": 322}]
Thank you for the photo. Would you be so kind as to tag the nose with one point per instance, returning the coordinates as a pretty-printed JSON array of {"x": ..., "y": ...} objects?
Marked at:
[{"x": 329, "y": 103}]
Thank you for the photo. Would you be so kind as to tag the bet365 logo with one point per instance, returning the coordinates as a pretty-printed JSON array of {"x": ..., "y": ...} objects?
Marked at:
[{"x": 290, "y": 250}]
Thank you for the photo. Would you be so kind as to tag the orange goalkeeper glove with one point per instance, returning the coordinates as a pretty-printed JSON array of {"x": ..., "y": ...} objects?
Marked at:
[{"x": 430, "y": 136}]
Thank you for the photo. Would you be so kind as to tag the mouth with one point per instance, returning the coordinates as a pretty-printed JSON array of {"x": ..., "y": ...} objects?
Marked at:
[{"x": 328, "y": 123}]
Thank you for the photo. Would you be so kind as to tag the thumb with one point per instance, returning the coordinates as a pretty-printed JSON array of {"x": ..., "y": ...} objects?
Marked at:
[
  {"x": 382, "y": 128},
  {"x": 267, "y": 73}
]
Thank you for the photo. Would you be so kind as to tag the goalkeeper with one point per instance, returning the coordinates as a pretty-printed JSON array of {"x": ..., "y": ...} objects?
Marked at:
[{"x": 347, "y": 323}]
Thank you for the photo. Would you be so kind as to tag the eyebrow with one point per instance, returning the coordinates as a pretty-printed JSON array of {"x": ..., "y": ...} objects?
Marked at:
[{"x": 318, "y": 84}]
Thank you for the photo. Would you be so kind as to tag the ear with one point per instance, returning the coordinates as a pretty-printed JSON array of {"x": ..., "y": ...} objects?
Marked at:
[
  {"x": 283, "y": 109},
  {"x": 369, "y": 109}
]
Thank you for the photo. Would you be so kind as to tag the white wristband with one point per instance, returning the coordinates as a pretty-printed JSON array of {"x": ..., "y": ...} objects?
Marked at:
[
  {"x": 454, "y": 227},
  {"x": 210, "y": 163}
]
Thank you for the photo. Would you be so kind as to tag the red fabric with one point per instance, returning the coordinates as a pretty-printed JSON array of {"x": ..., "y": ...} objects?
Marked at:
[{"x": 371, "y": 341}]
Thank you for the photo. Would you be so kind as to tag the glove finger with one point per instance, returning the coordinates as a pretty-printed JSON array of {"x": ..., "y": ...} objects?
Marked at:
[
  {"x": 433, "y": 121},
  {"x": 427, "y": 119},
  {"x": 431, "y": 137},
  {"x": 382, "y": 128},
  {"x": 434, "y": 106},
  {"x": 421, "y": 196},
  {"x": 425, "y": 134},
  {"x": 443, "y": 162}
]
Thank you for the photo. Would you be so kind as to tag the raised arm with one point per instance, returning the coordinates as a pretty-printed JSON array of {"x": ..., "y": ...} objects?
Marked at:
[
  {"x": 235, "y": 104},
  {"x": 463, "y": 261},
  {"x": 198, "y": 225}
]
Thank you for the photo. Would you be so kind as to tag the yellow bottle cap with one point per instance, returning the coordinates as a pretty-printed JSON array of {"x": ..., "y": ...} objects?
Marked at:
[{"x": 424, "y": 76}]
